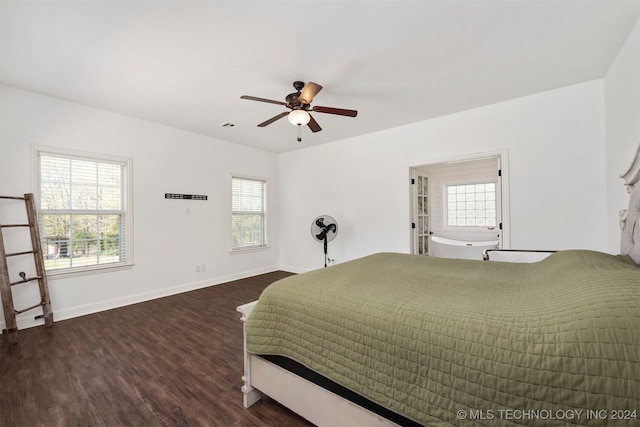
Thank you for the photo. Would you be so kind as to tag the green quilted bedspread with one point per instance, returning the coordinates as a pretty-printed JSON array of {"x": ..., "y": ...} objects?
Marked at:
[{"x": 459, "y": 342}]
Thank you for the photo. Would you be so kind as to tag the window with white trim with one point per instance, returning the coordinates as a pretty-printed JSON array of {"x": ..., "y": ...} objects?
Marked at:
[
  {"x": 83, "y": 210},
  {"x": 471, "y": 205},
  {"x": 248, "y": 213}
]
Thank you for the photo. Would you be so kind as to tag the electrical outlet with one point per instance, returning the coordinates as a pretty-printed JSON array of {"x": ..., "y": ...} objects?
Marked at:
[{"x": 197, "y": 268}]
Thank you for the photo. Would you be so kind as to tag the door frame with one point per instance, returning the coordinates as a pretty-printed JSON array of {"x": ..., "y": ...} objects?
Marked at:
[{"x": 503, "y": 156}]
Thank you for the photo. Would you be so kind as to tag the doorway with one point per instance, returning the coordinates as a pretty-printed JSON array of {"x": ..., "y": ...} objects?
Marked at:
[{"x": 458, "y": 207}]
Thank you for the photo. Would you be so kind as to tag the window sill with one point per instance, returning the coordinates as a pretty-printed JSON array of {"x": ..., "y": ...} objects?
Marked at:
[
  {"x": 250, "y": 249},
  {"x": 471, "y": 229},
  {"x": 85, "y": 271}
]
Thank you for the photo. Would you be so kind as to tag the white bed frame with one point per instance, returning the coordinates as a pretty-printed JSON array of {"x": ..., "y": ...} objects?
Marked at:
[{"x": 324, "y": 408}]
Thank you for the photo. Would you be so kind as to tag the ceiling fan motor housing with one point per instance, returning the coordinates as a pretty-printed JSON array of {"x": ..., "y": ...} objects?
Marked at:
[{"x": 293, "y": 100}]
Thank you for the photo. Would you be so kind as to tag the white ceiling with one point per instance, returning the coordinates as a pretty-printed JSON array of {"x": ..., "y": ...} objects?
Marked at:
[{"x": 185, "y": 63}]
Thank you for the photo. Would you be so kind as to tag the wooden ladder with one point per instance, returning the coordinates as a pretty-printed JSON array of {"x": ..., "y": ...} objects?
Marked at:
[{"x": 5, "y": 282}]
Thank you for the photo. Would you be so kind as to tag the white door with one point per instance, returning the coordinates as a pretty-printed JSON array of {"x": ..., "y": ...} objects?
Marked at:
[{"x": 420, "y": 223}]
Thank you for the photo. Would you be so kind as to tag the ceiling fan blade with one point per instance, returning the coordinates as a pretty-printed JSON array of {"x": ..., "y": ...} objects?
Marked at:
[
  {"x": 273, "y": 119},
  {"x": 254, "y": 98},
  {"x": 309, "y": 92},
  {"x": 338, "y": 111},
  {"x": 313, "y": 125}
]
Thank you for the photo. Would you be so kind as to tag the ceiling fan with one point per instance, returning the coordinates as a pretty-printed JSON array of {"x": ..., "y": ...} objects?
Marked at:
[{"x": 299, "y": 103}]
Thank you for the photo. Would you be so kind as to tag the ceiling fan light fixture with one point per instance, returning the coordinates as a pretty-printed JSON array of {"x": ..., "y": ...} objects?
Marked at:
[{"x": 299, "y": 117}]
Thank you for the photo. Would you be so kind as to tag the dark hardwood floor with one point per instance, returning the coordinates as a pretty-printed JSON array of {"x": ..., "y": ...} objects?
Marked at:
[{"x": 174, "y": 361}]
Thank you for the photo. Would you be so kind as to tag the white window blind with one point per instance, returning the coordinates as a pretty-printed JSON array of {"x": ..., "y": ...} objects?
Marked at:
[
  {"x": 82, "y": 212},
  {"x": 248, "y": 216}
]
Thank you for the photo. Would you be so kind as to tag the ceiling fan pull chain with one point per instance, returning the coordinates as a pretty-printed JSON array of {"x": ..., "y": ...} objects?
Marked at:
[{"x": 299, "y": 133}]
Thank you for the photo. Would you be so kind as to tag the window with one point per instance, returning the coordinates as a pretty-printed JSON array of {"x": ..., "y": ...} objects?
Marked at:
[
  {"x": 83, "y": 211},
  {"x": 471, "y": 205},
  {"x": 248, "y": 206}
]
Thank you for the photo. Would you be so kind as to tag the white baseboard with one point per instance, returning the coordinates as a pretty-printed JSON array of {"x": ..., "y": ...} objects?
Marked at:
[
  {"x": 295, "y": 270},
  {"x": 27, "y": 320}
]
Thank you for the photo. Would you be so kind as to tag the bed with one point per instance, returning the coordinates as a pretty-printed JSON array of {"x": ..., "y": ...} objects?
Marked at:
[{"x": 397, "y": 339}]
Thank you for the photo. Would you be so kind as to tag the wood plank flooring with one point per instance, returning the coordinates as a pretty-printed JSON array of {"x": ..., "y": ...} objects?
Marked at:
[{"x": 174, "y": 361}]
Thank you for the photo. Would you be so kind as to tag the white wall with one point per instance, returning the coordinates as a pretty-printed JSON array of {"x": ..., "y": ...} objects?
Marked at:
[
  {"x": 622, "y": 112},
  {"x": 167, "y": 243},
  {"x": 563, "y": 193},
  {"x": 558, "y": 200}
]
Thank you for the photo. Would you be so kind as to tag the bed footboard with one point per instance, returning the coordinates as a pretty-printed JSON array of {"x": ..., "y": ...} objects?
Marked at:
[
  {"x": 250, "y": 395},
  {"x": 515, "y": 255}
]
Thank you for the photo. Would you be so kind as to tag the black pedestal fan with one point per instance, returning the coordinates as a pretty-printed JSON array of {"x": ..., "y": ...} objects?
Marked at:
[{"x": 324, "y": 229}]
